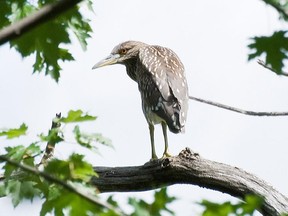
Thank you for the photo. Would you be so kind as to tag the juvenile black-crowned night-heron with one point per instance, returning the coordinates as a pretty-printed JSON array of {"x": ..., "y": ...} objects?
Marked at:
[{"x": 161, "y": 82}]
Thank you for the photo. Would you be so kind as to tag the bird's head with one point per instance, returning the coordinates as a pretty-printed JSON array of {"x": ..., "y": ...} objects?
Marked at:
[{"x": 121, "y": 53}]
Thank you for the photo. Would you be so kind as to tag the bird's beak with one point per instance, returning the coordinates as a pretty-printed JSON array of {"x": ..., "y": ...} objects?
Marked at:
[{"x": 109, "y": 60}]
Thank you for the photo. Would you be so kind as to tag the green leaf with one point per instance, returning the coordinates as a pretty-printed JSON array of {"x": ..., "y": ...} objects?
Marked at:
[
  {"x": 275, "y": 47},
  {"x": 54, "y": 136},
  {"x": 161, "y": 200},
  {"x": 15, "y": 153},
  {"x": 58, "y": 168},
  {"x": 15, "y": 132},
  {"x": 81, "y": 29},
  {"x": 78, "y": 24},
  {"x": 71, "y": 204},
  {"x": 21, "y": 190},
  {"x": 241, "y": 208},
  {"x": 215, "y": 209},
  {"x": 32, "y": 149},
  {"x": 5, "y": 11},
  {"x": 18, "y": 154},
  {"x": 19, "y": 10},
  {"x": 111, "y": 201},
  {"x": 251, "y": 203},
  {"x": 74, "y": 169},
  {"x": 139, "y": 207},
  {"x": 159, "y": 205},
  {"x": 87, "y": 140},
  {"x": 14, "y": 190},
  {"x": 77, "y": 116},
  {"x": 80, "y": 169}
]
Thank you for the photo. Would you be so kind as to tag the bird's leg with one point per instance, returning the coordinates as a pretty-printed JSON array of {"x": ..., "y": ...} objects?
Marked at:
[
  {"x": 164, "y": 129},
  {"x": 151, "y": 129}
]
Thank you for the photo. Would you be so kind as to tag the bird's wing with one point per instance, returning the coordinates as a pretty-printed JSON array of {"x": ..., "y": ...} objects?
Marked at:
[{"x": 167, "y": 71}]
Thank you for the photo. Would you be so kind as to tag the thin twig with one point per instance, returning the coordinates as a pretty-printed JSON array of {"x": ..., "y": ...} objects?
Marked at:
[
  {"x": 57, "y": 181},
  {"x": 262, "y": 63},
  {"x": 239, "y": 110},
  {"x": 44, "y": 14}
]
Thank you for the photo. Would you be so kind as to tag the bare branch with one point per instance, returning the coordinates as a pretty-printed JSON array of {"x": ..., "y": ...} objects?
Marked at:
[
  {"x": 253, "y": 113},
  {"x": 44, "y": 14},
  {"x": 84, "y": 195},
  {"x": 190, "y": 168}
]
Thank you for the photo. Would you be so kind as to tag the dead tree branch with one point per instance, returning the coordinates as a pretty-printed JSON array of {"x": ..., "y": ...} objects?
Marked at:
[
  {"x": 190, "y": 168},
  {"x": 253, "y": 113},
  {"x": 186, "y": 168}
]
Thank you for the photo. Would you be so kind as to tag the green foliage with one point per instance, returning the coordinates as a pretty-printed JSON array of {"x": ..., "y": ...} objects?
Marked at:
[
  {"x": 42, "y": 41},
  {"x": 75, "y": 168},
  {"x": 47, "y": 46},
  {"x": 14, "y": 132},
  {"x": 19, "y": 154},
  {"x": 282, "y": 6},
  {"x": 21, "y": 190},
  {"x": 87, "y": 140},
  {"x": 18, "y": 184},
  {"x": 156, "y": 208},
  {"x": 275, "y": 47},
  {"x": 54, "y": 136},
  {"x": 227, "y": 208},
  {"x": 73, "y": 171},
  {"x": 77, "y": 116},
  {"x": 64, "y": 202}
]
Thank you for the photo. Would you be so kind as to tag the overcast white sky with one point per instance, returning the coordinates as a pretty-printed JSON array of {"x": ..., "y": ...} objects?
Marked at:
[{"x": 211, "y": 38}]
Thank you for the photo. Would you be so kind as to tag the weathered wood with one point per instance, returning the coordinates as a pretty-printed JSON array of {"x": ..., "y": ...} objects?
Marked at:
[{"x": 189, "y": 168}]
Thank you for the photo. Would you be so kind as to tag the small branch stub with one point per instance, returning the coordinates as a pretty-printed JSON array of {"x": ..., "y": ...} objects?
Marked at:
[{"x": 49, "y": 150}]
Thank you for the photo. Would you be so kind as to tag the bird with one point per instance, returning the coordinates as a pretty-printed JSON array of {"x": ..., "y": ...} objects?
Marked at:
[{"x": 162, "y": 83}]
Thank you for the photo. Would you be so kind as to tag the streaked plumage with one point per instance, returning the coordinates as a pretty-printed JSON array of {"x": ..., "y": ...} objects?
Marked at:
[{"x": 161, "y": 81}]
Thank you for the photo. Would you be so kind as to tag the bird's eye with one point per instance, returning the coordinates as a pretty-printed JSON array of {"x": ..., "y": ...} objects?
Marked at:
[{"x": 123, "y": 51}]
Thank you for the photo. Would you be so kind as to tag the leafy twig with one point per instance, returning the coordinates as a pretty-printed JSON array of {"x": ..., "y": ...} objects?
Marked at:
[
  {"x": 253, "y": 113},
  {"x": 278, "y": 7},
  {"x": 262, "y": 63},
  {"x": 57, "y": 181},
  {"x": 44, "y": 14}
]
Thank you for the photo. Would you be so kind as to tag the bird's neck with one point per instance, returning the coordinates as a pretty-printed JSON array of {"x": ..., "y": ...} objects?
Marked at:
[{"x": 131, "y": 68}]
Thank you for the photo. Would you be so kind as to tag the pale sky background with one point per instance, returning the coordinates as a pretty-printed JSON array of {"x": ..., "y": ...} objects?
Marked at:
[{"x": 211, "y": 38}]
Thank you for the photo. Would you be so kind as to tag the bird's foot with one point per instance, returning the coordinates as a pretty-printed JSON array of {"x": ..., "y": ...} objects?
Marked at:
[
  {"x": 154, "y": 157},
  {"x": 166, "y": 154}
]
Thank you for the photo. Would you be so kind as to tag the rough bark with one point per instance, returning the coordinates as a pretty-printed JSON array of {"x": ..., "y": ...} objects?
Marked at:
[{"x": 189, "y": 168}]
